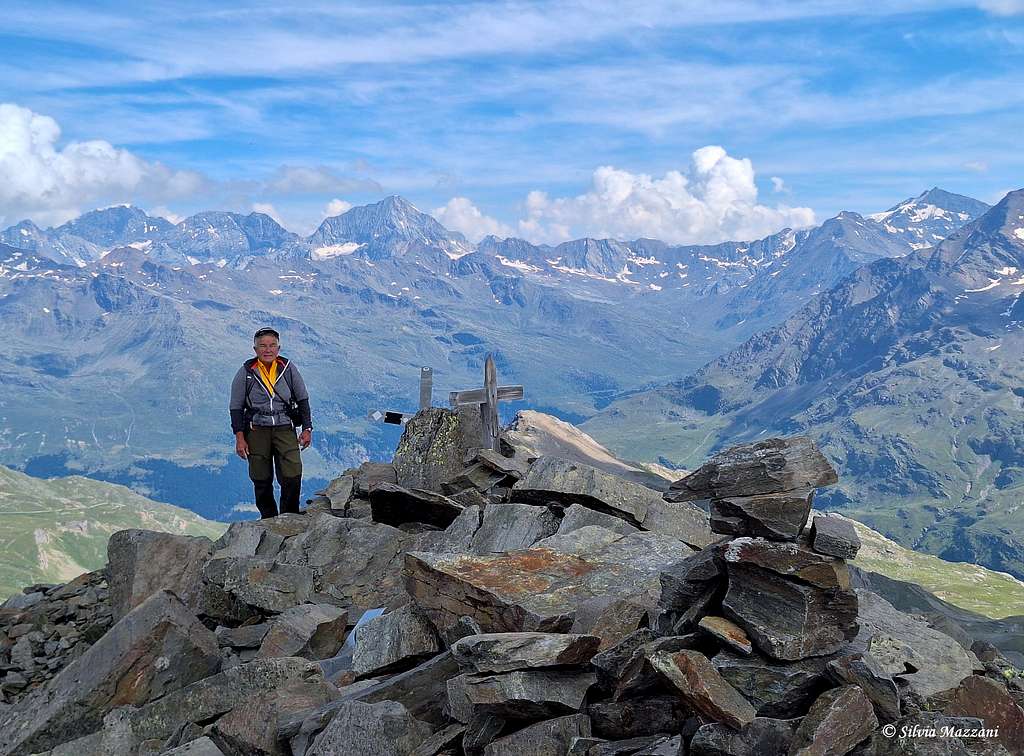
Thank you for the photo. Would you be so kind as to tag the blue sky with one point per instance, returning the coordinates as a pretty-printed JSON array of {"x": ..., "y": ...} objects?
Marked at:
[{"x": 544, "y": 120}]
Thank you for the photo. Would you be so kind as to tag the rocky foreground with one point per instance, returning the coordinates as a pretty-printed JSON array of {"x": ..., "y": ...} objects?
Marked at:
[{"x": 461, "y": 601}]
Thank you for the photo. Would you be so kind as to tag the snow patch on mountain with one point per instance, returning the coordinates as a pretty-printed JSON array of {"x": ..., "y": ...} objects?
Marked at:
[{"x": 334, "y": 250}]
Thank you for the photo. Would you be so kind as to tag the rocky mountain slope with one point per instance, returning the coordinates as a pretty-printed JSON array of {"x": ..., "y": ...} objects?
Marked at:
[
  {"x": 908, "y": 373},
  {"x": 458, "y": 600},
  {"x": 54, "y": 530},
  {"x": 95, "y": 309}
]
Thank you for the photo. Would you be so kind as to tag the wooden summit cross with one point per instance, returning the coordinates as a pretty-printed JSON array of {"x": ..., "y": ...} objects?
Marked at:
[
  {"x": 401, "y": 418},
  {"x": 488, "y": 398}
]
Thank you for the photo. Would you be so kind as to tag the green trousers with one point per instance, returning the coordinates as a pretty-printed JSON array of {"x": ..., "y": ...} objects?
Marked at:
[{"x": 275, "y": 450}]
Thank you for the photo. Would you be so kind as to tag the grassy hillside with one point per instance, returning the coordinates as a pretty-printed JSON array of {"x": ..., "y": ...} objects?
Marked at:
[
  {"x": 53, "y": 530},
  {"x": 969, "y": 586}
]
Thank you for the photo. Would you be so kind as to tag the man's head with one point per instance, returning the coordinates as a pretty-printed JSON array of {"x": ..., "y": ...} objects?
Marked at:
[{"x": 266, "y": 342}]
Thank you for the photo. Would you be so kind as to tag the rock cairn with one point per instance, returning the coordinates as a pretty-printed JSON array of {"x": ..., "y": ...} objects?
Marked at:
[
  {"x": 461, "y": 602},
  {"x": 46, "y": 627}
]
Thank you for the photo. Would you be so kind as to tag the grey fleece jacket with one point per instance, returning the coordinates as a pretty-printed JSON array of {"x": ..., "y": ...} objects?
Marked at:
[{"x": 252, "y": 404}]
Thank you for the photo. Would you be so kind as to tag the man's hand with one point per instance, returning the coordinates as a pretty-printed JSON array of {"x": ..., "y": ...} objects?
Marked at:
[
  {"x": 305, "y": 439},
  {"x": 241, "y": 446}
]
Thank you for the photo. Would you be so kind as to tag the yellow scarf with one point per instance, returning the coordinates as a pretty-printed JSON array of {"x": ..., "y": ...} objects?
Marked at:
[{"x": 269, "y": 376}]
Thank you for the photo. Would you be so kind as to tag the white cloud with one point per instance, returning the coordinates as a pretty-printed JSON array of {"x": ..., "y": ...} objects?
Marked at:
[
  {"x": 1002, "y": 7},
  {"x": 463, "y": 216},
  {"x": 292, "y": 179},
  {"x": 977, "y": 166},
  {"x": 336, "y": 207},
  {"x": 778, "y": 185},
  {"x": 167, "y": 213},
  {"x": 715, "y": 200},
  {"x": 267, "y": 209},
  {"x": 51, "y": 184}
]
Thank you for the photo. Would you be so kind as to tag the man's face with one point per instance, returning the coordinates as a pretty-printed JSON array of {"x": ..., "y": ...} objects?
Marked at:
[{"x": 266, "y": 348}]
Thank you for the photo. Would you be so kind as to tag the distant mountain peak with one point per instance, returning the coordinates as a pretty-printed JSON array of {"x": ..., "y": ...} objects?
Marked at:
[{"x": 379, "y": 226}]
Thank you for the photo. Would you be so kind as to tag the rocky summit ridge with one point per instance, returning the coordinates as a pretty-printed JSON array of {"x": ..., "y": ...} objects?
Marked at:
[{"x": 463, "y": 601}]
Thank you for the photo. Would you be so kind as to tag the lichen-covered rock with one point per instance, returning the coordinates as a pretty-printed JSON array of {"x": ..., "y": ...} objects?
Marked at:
[
  {"x": 542, "y": 588},
  {"x": 433, "y": 446}
]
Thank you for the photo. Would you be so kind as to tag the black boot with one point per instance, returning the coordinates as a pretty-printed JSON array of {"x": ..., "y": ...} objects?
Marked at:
[
  {"x": 290, "y": 488},
  {"x": 265, "y": 498}
]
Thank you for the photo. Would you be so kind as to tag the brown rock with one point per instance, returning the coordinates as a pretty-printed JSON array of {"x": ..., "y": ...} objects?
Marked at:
[
  {"x": 703, "y": 688},
  {"x": 978, "y": 696},
  {"x": 728, "y": 632},
  {"x": 839, "y": 720},
  {"x": 543, "y": 588}
]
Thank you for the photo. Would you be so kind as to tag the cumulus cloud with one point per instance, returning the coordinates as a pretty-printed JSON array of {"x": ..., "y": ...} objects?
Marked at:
[
  {"x": 714, "y": 200},
  {"x": 51, "y": 184},
  {"x": 165, "y": 212},
  {"x": 336, "y": 207},
  {"x": 267, "y": 209},
  {"x": 463, "y": 216}
]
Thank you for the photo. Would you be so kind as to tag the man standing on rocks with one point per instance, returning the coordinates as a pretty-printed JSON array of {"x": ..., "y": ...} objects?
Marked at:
[{"x": 268, "y": 399}]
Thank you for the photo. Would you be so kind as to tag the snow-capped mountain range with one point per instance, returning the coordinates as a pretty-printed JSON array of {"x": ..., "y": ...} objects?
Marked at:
[{"x": 124, "y": 329}]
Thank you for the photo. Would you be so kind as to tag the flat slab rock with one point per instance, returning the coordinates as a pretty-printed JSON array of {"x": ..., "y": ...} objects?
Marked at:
[
  {"x": 703, "y": 688},
  {"x": 772, "y": 466},
  {"x": 568, "y": 482},
  {"x": 504, "y": 652},
  {"x": 727, "y": 632},
  {"x": 546, "y": 588},
  {"x": 779, "y": 517},
  {"x": 835, "y": 536},
  {"x": 521, "y": 694},
  {"x": 550, "y": 738}
]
